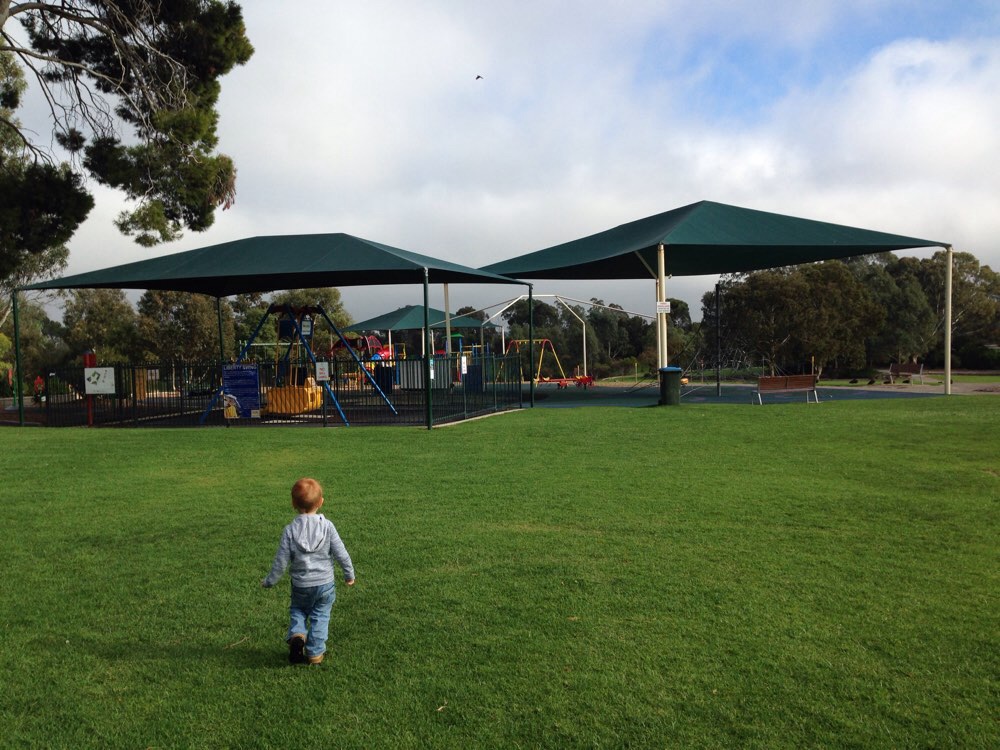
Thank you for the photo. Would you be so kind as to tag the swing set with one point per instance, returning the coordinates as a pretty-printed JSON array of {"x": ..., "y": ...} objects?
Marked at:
[{"x": 580, "y": 381}]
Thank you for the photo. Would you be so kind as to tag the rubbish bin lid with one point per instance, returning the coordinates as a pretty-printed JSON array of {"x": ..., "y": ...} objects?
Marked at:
[{"x": 670, "y": 369}]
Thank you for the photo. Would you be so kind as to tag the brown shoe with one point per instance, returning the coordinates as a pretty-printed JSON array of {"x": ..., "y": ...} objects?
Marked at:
[
  {"x": 297, "y": 649},
  {"x": 318, "y": 659}
]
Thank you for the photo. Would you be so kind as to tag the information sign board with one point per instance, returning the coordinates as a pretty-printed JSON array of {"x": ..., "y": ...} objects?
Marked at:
[{"x": 241, "y": 391}]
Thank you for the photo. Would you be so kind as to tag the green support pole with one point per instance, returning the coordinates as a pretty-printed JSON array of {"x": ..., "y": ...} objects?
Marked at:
[
  {"x": 18, "y": 394},
  {"x": 531, "y": 345},
  {"x": 428, "y": 352},
  {"x": 222, "y": 351},
  {"x": 947, "y": 320},
  {"x": 718, "y": 341},
  {"x": 222, "y": 346}
]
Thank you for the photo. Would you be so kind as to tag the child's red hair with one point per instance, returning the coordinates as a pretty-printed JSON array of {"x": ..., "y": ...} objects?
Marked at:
[{"x": 307, "y": 494}]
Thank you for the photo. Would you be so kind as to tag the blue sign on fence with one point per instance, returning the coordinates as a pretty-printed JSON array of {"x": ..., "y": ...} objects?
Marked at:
[{"x": 241, "y": 391}]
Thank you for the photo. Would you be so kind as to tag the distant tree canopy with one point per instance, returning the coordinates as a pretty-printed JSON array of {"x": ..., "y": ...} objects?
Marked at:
[
  {"x": 169, "y": 326},
  {"x": 864, "y": 313},
  {"x": 102, "y": 321},
  {"x": 131, "y": 87},
  {"x": 471, "y": 312},
  {"x": 182, "y": 326}
]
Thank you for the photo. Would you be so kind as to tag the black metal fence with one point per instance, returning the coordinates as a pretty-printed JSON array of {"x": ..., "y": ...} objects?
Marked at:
[{"x": 338, "y": 392}]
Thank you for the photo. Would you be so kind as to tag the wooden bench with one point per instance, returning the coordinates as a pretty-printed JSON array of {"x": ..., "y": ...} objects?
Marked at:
[
  {"x": 786, "y": 383},
  {"x": 912, "y": 370}
]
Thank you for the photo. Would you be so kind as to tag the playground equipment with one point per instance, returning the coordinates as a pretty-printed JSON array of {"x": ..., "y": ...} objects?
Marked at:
[
  {"x": 368, "y": 347},
  {"x": 581, "y": 381},
  {"x": 296, "y": 390}
]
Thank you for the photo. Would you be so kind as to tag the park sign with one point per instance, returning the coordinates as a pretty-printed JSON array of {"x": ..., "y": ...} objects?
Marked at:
[
  {"x": 241, "y": 391},
  {"x": 99, "y": 381}
]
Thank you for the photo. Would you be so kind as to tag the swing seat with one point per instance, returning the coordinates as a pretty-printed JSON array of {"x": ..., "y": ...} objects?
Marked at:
[{"x": 294, "y": 399}]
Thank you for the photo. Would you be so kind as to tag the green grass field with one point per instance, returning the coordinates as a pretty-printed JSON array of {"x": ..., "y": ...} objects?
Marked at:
[{"x": 699, "y": 577}]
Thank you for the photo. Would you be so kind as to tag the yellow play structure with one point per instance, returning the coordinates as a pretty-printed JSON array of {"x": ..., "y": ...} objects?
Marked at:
[{"x": 296, "y": 390}]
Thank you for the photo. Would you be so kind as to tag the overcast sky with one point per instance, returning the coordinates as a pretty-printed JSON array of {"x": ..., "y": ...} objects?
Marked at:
[{"x": 366, "y": 117}]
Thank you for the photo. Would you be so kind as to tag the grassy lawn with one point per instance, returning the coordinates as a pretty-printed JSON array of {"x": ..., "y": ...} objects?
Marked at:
[
  {"x": 982, "y": 379},
  {"x": 703, "y": 576}
]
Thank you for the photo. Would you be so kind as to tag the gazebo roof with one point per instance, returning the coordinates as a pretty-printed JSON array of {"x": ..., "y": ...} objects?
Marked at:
[
  {"x": 411, "y": 318},
  {"x": 264, "y": 264},
  {"x": 702, "y": 238}
]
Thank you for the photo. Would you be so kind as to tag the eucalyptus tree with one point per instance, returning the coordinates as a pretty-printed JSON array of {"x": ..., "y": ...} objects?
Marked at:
[
  {"x": 131, "y": 88},
  {"x": 176, "y": 326},
  {"x": 763, "y": 312},
  {"x": 975, "y": 301},
  {"x": 609, "y": 324},
  {"x": 41, "y": 204},
  {"x": 102, "y": 321},
  {"x": 907, "y": 322},
  {"x": 41, "y": 340},
  {"x": 833, "y": 326}
]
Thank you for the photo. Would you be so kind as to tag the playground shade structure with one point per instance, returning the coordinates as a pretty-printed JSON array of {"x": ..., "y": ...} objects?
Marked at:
[
  {"x": 411, "y": 318},
  {"x": 699, "y": 239},
  {"x": 710, "y": 238},
  {"x": 269, "y": 263}
]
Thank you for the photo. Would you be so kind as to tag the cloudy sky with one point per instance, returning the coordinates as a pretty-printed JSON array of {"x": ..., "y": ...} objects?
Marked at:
[{"x": 366, "y": 117}]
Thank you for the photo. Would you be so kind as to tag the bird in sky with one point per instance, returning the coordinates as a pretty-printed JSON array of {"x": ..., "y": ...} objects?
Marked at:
[{"x": 478, "y": 78}]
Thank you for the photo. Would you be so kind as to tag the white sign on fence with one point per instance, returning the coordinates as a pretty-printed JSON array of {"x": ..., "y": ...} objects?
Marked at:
[
  {"x": 99, "y": 380},
  {"x": 322, "y": 372}
]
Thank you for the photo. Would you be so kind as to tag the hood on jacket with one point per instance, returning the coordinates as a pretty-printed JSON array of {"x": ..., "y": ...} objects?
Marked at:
[{"x": 310, "y": 531}]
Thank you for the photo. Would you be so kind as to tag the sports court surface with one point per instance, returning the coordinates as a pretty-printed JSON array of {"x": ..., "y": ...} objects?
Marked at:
[{"x": 648, "y": 394}]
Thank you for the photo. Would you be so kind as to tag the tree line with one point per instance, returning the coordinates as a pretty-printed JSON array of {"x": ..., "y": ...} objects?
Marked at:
[{"x": 857, "y": 315}]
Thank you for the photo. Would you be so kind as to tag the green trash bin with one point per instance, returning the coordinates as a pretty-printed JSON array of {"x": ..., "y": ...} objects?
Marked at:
[{"x": 670, "y": 386}]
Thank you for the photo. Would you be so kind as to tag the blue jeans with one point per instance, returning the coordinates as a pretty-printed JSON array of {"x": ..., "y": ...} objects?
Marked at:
[{"x": 313, "y": 603}]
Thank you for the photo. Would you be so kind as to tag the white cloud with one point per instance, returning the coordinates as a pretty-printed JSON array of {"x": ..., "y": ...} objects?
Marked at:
[{"x": 367, "y": 118}]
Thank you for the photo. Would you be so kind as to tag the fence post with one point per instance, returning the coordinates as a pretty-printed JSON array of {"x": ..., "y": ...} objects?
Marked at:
[
  {"x": 174, "y": 384},
  {"x": 428, "y": 352},
  {"x": 18, "y": 386}
]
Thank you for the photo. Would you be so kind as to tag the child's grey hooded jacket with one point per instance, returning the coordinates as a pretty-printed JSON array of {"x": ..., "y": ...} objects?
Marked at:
[{"x": 310, "y": 543}]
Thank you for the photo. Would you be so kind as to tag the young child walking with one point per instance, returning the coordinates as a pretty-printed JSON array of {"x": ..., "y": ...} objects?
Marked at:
[{"x": 310, "y": 544}]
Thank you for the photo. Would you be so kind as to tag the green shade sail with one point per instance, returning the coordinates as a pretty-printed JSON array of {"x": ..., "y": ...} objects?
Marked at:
[
  {"x": 264, "y": 264},
  {"x": 699, "y": 239},
  {"x": 411, "y": 318}
]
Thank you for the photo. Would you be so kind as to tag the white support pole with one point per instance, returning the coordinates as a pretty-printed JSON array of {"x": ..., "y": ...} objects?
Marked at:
[
  {"x": 661, "y": 296},
  {"x": 447, "y": 323},
  {"x": 947, "y": 321},
  {"x": 659, "y": 329}
]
